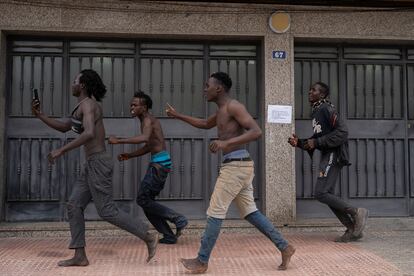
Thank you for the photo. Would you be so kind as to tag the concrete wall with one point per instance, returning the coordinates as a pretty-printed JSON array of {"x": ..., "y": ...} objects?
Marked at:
[{"x": 125, "y": 19}]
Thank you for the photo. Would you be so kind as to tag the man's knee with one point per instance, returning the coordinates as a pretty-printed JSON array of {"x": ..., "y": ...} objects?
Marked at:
[
  {"x": 143, "y": 200},
  {"x": 321, "y": 196},
  {"x": 107, "y": 211},
  {"x": 71, "y": 208},
  {"x": 322, "y": 189}
]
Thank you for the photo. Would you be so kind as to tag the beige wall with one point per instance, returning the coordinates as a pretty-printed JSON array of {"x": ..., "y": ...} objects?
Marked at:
[{"x": 92, "y": 18}]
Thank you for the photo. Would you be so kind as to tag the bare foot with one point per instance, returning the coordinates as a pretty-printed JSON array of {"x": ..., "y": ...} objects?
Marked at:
[
  {"x": 194, "y": 265},
  {"x": 287, "y": 253},
  {"x": 74, "y": 262},
  {"x": 152, "y": 246}
]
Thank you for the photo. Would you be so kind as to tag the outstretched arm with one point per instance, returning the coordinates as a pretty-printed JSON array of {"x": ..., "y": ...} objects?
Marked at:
[
  {"x": 143, "y": 138},
  {"x": 62, "y": 126},
  {"x": 139, "y": 152},
  {"x": 208, "y": 123}
]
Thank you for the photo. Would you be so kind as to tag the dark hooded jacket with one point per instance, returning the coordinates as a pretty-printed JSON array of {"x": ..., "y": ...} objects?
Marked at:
[{"x": 329, "y": 131}]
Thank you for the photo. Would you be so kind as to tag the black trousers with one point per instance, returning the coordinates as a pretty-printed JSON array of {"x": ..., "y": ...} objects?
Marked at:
[
  {"x": 96, "y": 183},
  {"x": 325, "y": 188},
  {"x": 158, "y": 214}
]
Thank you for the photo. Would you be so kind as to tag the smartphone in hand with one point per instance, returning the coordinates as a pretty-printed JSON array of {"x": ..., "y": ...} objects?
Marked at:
[{"x": 35, "y": 95}]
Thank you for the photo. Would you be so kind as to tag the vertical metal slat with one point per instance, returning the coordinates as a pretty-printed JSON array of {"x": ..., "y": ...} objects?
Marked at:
[
  {"x": 172, "y": 81},
  {"x": 355, "y": 91},
  {"x": 193, "y": 165},
  {"x": 247, "y": 84},
  {"x": 172, "y": 171},
  {"x": 19, "y": 168},
  {"x": 366, "y": 169},
  {"x": 392, "y": 115},
  {"x": 238, "y": 81},
  {"x": 301, "y": 92},
  {"x": 383, "y": 91},
  {"x": 385, "y": 167},
  {"x": 375, "y": 166},
  {"x": 123, "y": 89},
  {"x": 39, "y": 169},
  {"x": 374, "y": 90},
  {"x": 357, "y": 168},
  {"x": 22, "y": 59},
  {"x": 42, "y": 78},
  {"x": 192, "y": 89},
  {"x": 182, "y": 88},
  {"x": 364, "y": 90},
  {"x": 182, "y": 176},
  {"x": 112, "y": 86},
  {"x": 29, "y": 170},
  {"x": 52, "y": 84},
  {"x": 161, "y": 85},
  {"x": 394, "y": 166}
]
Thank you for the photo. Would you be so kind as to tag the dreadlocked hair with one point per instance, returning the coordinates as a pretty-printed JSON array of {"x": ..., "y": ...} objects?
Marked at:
[{"x": 93, "y": 84}]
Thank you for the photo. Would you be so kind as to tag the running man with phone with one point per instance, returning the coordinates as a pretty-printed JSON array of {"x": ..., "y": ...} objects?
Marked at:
[{"x": 95, "y": 181}]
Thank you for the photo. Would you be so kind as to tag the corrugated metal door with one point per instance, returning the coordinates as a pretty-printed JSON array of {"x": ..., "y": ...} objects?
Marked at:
[
  {"x": 369, "y": 89},
  {"x": 169, "y": 72}
]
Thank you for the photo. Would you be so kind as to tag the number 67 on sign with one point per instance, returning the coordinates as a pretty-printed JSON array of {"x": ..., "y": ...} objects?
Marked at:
[{"x": 278, "y": 54}]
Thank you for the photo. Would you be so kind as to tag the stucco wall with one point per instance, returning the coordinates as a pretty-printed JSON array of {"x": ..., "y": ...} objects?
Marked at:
[
  {"x": 95, "y": 18},
  {"x": 354, "y": 25}
]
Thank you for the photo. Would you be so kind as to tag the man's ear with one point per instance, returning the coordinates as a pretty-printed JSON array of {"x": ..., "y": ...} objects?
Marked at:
[{"x": 219, "y": 88}]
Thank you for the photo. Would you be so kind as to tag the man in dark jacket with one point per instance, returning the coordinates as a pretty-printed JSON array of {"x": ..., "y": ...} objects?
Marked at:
[{"x": 330, "y": 136}]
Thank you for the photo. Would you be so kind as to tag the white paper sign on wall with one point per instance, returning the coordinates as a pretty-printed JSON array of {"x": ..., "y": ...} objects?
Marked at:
[{"x": 279, "y": 114}]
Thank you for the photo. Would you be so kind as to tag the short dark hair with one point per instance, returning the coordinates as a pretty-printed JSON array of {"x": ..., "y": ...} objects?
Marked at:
[
  {"x": 146, "y": 100},
  {"x": 223, "y": 79},
  {"x": 324, "y": 88},
  {"x": 93, "y": 84}
]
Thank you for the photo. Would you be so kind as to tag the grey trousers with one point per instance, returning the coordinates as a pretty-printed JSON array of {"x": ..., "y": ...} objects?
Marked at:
[{"x": 96, "y": 183}]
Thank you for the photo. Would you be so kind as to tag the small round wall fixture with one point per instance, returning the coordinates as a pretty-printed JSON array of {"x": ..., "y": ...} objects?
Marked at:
[{"x": 279, "y": 22}]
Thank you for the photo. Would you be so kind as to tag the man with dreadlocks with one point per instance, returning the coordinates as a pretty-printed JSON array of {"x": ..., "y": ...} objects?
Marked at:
[
  {"x": 96, "y": 179},
  {"x": 330, "y": 136}
]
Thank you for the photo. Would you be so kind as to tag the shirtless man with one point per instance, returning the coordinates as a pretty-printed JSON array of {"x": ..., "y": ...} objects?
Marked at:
[
  {"x": 96, "y": 179},
  {"x": 236, "y": 127},
  {"x": 158, "y": 169}
]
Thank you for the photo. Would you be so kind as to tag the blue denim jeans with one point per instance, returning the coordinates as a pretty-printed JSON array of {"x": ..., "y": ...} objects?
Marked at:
[
  {"x": 256, "y": 218},
  {"x": 208, "y": 240},
  {"x": 263, "y": 224},
  {"x": 158, "y": 214}
]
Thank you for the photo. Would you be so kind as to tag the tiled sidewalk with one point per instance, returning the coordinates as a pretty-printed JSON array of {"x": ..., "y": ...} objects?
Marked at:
[{"x": 234, "y": 254}]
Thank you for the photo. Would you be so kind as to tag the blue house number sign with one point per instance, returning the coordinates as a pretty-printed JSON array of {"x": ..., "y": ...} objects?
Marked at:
[{"x": 278, "y": 54}]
